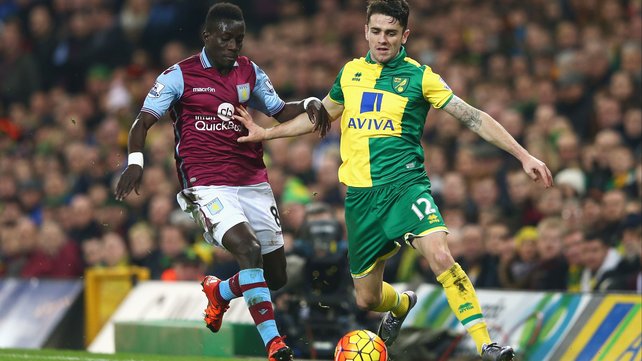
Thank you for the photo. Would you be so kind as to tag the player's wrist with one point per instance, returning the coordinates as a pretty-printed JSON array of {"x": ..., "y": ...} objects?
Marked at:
[
  {"x": 136, "y": 158},
  {"x": 307, "y": 101},
  {"x": 267, "y": 133},
  {"x": 523, "y": 155}
]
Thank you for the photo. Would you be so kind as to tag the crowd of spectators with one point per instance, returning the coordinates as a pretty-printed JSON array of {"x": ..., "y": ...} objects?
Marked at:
[{"x": 562, "y": 76}]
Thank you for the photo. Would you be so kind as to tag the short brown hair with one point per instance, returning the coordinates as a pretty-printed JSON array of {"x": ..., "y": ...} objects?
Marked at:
[{"x": 397, "y": 9}]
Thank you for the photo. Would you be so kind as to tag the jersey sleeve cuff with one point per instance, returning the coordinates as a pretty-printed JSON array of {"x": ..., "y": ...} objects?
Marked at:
[
  {"x": 278, "y": 109},
  {"x": 152, "y": 112},
  {"x": 445, "y": 102},
  {"x": 334, "y": 101}
]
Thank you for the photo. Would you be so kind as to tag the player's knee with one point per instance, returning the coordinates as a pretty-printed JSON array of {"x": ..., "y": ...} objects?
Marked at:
[
  {"x": 249, "y": 253},
  {"x": 368, "y": 301},
  {"x": 441, "y": 261}
]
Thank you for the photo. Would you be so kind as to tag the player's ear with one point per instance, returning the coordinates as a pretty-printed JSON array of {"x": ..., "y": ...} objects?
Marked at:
[
  {"x": 365, "y": 28},
  {"x": 404, "y": 36},
  {"x": 204, "y": 35}
]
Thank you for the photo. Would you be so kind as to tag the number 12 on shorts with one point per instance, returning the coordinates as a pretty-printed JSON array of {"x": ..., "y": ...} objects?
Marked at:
[{"x": 426, "y": 205}]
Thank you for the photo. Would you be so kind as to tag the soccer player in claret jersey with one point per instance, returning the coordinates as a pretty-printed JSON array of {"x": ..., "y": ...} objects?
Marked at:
[
  {"x": 383, "y": 100},
  {"x": 224, "y": 182}
]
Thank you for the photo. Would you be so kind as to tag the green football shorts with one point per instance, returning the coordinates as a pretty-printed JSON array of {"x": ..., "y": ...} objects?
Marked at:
[{"x": 377, "y": 217}]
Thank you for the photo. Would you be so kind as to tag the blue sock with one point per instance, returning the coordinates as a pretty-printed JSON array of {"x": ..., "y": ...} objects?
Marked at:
[
  {"x": 230, "y": 289},
  {"x": 259, "y": 302}
]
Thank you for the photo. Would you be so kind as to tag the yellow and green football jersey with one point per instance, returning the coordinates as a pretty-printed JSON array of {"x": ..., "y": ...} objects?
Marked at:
[{"x": 383, "y": 120}]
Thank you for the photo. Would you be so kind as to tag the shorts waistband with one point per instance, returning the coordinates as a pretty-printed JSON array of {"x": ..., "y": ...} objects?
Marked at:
[{"x": 395, "y": 183}]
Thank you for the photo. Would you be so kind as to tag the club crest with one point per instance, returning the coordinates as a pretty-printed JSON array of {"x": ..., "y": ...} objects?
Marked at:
[
  {"x": 243, "y": 91},
  {"x": 400, "y": 84},
  {"x": 215, "y": 206}
]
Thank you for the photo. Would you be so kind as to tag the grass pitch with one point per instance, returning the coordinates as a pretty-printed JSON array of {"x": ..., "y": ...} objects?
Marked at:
[{"x": 67, "y": 355}]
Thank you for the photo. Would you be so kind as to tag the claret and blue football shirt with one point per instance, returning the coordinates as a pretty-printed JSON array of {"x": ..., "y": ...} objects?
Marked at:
[
  {"x": 383, "y": 120},
  {"x": 201, "y": 102}
]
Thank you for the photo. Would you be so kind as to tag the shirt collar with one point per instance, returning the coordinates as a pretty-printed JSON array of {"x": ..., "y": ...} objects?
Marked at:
[
  {"x": 392, "y": 62},
  {"x": 205, "y": 61}
]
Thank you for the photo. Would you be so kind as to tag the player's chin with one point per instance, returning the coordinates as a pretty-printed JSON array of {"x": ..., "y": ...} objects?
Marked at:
[
  {"x": 228, "y": 64},
  {"x": 383, "y": 58},
  {"x": 228, "y": 61}
]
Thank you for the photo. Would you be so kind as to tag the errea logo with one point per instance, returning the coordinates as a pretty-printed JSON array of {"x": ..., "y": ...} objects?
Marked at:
[
  {"x": 357, "y": 76},
  {"x": 204, "y": 90}
]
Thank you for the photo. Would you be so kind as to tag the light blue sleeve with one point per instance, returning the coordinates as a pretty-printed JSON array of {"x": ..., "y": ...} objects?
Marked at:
[
  {"x": 264, "y": 98},
  {"x": 166, "y": 90}
]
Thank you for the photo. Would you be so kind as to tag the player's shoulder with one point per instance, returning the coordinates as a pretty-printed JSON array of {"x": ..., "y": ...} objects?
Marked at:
[
  {"x": 359, "y": 64},
  {"x": 415, "y": 66},
  {"x": 186, "y": 64},
  {"x": 190, "y": 61},
  {"x": 246, "y": 68},
  {"x": 244, "y": 61}
]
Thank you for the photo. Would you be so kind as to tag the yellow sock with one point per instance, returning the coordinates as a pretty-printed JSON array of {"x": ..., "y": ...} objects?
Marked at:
[
  {"x": 463, "y": 301},
  {"x": 402, "y": 307},
  {"x": 392, "y": 301}
]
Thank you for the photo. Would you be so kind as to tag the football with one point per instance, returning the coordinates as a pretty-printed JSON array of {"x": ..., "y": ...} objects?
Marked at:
[{"x": 360, "y": 345}]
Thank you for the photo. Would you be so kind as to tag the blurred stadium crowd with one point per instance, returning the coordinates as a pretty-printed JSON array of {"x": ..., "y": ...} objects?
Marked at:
[{"x": 562, "y": 76}]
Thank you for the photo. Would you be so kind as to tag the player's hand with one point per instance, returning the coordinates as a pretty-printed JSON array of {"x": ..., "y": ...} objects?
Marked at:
[
  {"x": 319, "y": 117},
  {"x": 255, "y": 132},
  {"x": 130, "y": 179},
  {"x": 538, "y": 171}
]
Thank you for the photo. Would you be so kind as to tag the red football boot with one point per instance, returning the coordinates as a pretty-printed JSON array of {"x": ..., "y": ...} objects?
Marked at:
[
  {"x": 215, "y": 309},
  {"x": 279, "y": 351}
]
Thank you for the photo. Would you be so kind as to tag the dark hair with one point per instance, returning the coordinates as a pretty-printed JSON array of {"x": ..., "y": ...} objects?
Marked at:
[
  {"x": 223, "y": 11},
  {"x": 397, "y": 9}
]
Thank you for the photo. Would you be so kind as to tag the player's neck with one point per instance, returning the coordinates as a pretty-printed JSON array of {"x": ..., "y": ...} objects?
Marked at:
[
  {"x": 221, "y": 69},
  {"x": 224, "y": 71}
]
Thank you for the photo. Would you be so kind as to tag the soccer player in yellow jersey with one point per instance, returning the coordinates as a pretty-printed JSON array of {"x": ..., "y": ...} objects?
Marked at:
[{"x": 383, "y": 100}]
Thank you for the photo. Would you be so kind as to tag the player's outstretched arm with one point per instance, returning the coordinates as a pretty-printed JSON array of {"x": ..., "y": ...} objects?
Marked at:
[
  {"x": 489, "y": 129},
  {"x": 315, "y": 110},
  {"x": 300, "y": 124},
  {"x": 132, "y": 175}
]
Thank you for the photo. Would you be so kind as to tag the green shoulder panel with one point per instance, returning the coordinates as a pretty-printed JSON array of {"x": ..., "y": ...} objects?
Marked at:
[{"x": 336, "y": 93}]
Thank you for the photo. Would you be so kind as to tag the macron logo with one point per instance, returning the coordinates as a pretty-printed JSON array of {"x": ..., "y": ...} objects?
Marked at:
[
  {"x": 263, "y": 311},
  {"x": 204, "y": 90}
]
